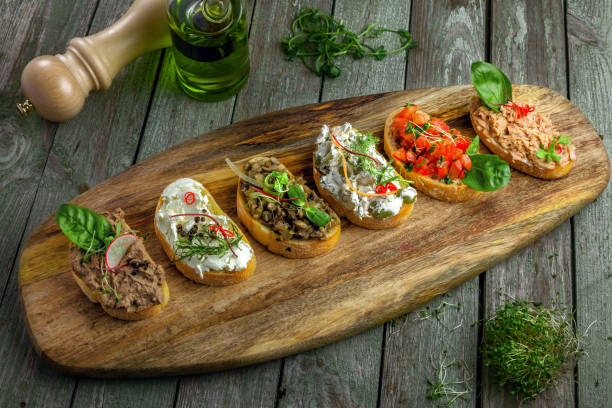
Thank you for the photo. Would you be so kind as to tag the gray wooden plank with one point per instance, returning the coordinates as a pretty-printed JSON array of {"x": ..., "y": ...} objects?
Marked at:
[
  {"x": 528, "y": 44},
  {"x": 346, "y": 373},
  {"x": 589, "y": 25},
  {"x": 98, "y": 143},
  {"x": 415, "y": 347},
  {"x": 273, "y": 84},
  {"x": 25, "y": 145},
  {"x": 157, "y": 392}
]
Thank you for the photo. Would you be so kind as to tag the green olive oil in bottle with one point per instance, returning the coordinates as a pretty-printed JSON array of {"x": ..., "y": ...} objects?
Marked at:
[{"x": 210, "y": 47}]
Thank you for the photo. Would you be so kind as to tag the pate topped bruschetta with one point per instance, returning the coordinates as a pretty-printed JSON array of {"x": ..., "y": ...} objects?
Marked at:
[
  {"x": 202, "y": 241},
  {"x": 515, "y": 131},
  {"x": 283, "y": 213},
  {"x": 111, "y": 265},
  {"x": 357, "y": 181},
  {"x": 439, "y": 159}
]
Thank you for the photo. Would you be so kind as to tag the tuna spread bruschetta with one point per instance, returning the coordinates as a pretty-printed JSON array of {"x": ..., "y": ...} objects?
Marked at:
[
  {"x": 202, "y": 241},
  {"x": 283, "y": 213},
  {"x": 515, "y": 131},
  {"x": 357, "y": 181},
  {"x": 438, "y": 159},
  {"x": 111, "y": 265}
]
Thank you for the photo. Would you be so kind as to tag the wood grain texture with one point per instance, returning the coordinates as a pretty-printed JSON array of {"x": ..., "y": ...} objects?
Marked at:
[
  {"x": 346, "y": 373},
  {"x": 589, "y": 26},
  {"x": 24, "y": 148},
  {"x": 202, "y": 328},
  {"x": 544, "y": 269},
  {"x": 460, "y": 33}
]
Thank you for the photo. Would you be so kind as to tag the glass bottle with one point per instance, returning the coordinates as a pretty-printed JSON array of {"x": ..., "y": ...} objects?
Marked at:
[{"x": 209, "y": 47}]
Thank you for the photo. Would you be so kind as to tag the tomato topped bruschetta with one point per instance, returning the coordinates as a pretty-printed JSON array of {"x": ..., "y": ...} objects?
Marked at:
[{"x": 437, "y": 158}]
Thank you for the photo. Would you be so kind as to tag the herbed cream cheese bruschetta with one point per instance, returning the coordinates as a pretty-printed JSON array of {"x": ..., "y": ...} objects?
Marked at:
[
  {"x": 283, "y": 213},
  {"x": 515, "y": 131},
  {"x": 357, "y": 181},
  {"x": 202, "y": 241},
  {"x": 133, "y": 287}
]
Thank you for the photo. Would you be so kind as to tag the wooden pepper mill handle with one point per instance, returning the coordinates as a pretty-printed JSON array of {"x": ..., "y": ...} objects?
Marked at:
[{"x": 56, "y": 86}]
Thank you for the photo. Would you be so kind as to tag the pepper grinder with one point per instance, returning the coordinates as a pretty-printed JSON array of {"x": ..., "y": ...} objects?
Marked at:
[{"x": 56, "y": 86}]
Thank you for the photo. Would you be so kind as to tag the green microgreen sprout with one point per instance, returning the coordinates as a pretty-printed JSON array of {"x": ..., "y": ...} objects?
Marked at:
[
  {"x": 442, "y": 388},
  {"x": 550, "y": 153},
  {"x": 203, "y": 243},
  {"x": 318, "y": 39},
  {"x": 528, "y": 346}
]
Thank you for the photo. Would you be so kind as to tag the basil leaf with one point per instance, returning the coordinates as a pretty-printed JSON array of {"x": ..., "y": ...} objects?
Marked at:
[
  {"x": 296, "y": 191},
  {"x": 556, "y": 157},
  {"x": 86, "y": 229},
  {"x": 492, "y": 85},
  {"x": 317, "y": 217},
  {"x": 563, "y": 140},
  {"x": 473, "y": 147},
  {"x": 488, "y": 172},
  {"x": 541, "y": 153}
]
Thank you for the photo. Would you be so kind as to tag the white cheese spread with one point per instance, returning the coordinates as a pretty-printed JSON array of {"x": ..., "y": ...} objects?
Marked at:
[
  {"x": 329, "y": 163},
  {"x": 173, "y": 202}
]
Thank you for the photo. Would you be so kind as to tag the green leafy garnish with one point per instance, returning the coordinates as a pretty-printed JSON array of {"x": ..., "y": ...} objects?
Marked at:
[
  {"x": 492, "y": 85},
  {"x": 209, "y": 243},
  {"x": 473, "y": 147},
  {"x": 318, "y": 39},
  {"x": 296, "y": 191},
  {"x": 317, "y": 217},
  {"x": 528, "y": 346},
  {"x": 86, "y": 229},
  {"x": 488, "y": 172},
  {"x": 277, "y": 181},
  {"x": 549, "y": 153}
]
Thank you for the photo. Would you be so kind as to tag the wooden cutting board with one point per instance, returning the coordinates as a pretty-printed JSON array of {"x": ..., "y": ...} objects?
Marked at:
[{"x": 289, "y": 306}]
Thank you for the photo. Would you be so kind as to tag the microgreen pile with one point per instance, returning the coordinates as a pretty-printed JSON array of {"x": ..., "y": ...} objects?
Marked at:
[
  {"x": 528, "y": 346},
  {"x": 318, "y": 39}
]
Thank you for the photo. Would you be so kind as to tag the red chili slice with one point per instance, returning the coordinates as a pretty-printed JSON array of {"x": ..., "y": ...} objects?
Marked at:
[
  {"x": 380, "y": 189},
  {"x": 390, "y": 186},
  {"x": 189, "y": 198}
]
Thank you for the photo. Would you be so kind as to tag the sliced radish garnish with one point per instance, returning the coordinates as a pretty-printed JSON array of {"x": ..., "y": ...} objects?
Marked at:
[{"x": 117, "y": 249}]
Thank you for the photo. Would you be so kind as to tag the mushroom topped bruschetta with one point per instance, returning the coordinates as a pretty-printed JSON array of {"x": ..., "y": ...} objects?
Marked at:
[
  {"x": 440, "y": 161},
  {"x": 283, "y": 213},
  {"x": 515, "y": 131},
  {"x": 202, "y": 241},
  {"x": 357, "y": 181}
]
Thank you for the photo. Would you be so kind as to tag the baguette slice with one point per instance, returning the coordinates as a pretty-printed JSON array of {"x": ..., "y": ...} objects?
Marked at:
[
  {"x": 292, "y": 248},
  {"x": 122, "y": 313},
  {"x": 365, "y": 222},
  {"x": 222, "y": 277},
  {"x": 483, "y": 130},
  {"x": 431, "y": 187}
]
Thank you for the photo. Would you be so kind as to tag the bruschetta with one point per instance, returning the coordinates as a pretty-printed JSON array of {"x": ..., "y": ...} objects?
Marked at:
[
  {"x": 515, "y": 131},
  {"x": 439, "y": 159},
  {"x": 283, "y": 213},
  {"x": 202, "y": 241},
  {"x": 528, "y": 142},
  {"x": 357, "y": 181},
  {"x": 133, "y": 287}
]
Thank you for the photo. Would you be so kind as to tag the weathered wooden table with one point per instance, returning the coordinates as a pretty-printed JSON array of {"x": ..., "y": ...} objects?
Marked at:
[{"x": 566, "y": 46}]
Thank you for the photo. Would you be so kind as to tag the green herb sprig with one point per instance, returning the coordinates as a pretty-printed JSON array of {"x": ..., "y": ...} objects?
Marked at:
[
  {"x": 209, "y": 244},
  {"x": 491, "y": 84},
  {"x": 318, "y": 39},
  {"x": 550, "y": 153},
  {"x": 528, "y": 346}
]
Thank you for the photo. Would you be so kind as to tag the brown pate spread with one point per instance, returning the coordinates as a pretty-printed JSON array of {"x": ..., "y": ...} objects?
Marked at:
[
  {"x": 138, "y": 286},
  {"x": 521, "y": 137}
]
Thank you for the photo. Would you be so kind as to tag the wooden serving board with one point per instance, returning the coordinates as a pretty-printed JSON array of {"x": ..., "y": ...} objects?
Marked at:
[{"x": 289, "y": 306}]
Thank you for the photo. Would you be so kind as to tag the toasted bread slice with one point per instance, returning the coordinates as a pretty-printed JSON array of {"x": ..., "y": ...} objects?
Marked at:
[
  {"x": 433, "y": 188},
  {"x": 289, "y": 248},
  {"x": 223, "y": 277},
  {"x": 365, "y": 222},
  {"x": 122, "y": 313},
  {"x": 484, "y": 131}
]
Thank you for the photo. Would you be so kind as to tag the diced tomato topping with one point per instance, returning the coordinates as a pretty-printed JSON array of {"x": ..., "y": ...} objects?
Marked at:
[
  {"x": 410, "y": 156},
  {"x": 442, "y": 172},
  {"x": 457, "y": 153},
  {"x": 407, "y": 112},
  {"x": 420, "y": 118},
  {"x": 462, "y": 143},
  {"x": 422, "y": 143},
  {"x": 439, "y": 125},
  {"x": 466, "y": 162},
  {"x": 400, "y": 154}
]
